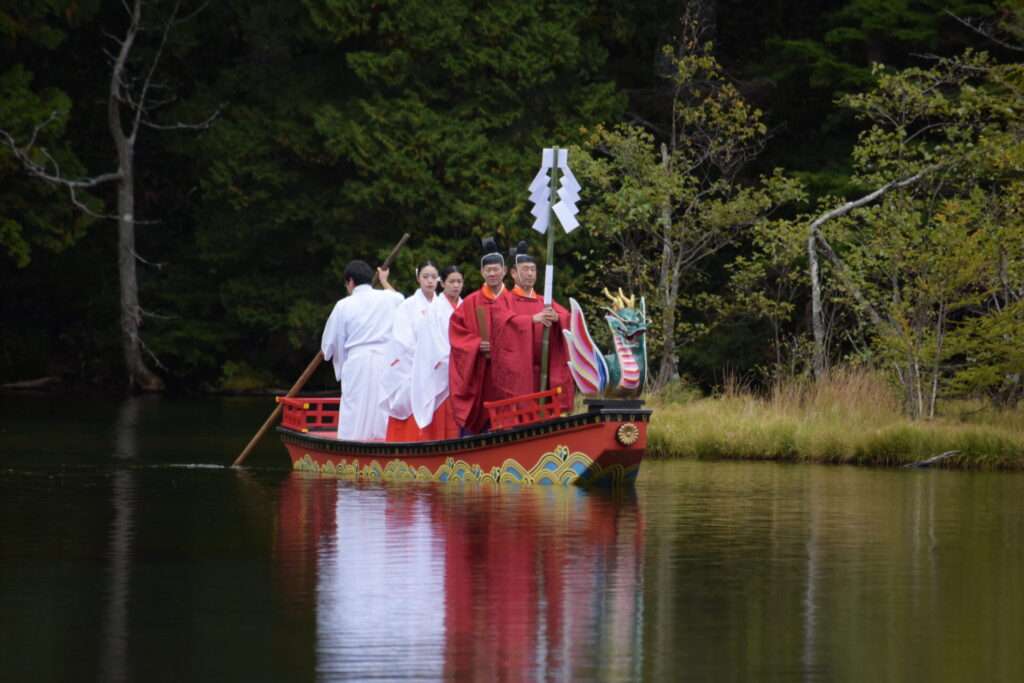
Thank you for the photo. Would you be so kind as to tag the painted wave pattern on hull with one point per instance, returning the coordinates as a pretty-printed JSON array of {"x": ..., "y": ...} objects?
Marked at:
[{"x": 556, "y": 467}]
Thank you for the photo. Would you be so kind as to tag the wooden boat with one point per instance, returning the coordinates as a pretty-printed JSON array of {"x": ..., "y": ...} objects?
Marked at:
[{"x": 529, "y": 444}]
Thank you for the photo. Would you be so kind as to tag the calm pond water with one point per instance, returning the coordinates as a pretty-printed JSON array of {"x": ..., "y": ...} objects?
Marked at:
[{"x": 129, "y": 553}]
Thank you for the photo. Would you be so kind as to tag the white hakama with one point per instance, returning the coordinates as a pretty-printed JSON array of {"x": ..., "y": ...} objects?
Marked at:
[
  {"x": 410, "y": 317},
  {"x": 354, "y": 340},
  {"x": 429, "y": 386}
]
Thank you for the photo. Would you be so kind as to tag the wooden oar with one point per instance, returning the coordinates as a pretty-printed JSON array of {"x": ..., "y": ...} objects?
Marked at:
[
  {"x": 301, "y": 382},
  {"x": 296, "y": 388},
  {"x": 391, "y": 256}
]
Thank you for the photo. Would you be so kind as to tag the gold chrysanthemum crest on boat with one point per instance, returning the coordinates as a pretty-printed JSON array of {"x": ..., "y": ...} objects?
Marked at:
[{"x": 627, "y": 434}]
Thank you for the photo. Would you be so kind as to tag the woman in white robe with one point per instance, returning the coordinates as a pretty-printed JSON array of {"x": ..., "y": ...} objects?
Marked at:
[
  {"x": 429, "y": 391},
  {"x": 397, "y": 377}
]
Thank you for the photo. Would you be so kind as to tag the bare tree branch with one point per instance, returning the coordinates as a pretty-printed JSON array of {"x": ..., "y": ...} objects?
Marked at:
[
  {"x": 40, "y": 171},
  {"x": 202, "y": 125},
  {"x": 872, "y": 196},
  {"x": 36, "y": 130},
  {"x": 653, "y": 127},
  {"x": 168, "y": 25},
  {"x": 117, "y": 84},
  {"x": 192, "y": 15},
  {"x": 158, "y": 266},
  {"x": 113, "y": 38},
  {"x": 987, "y": 32},
  {"x": 157, "y": 316},
  {"x": 84, "y": 208},
  {"x": 149, "y": 352}
]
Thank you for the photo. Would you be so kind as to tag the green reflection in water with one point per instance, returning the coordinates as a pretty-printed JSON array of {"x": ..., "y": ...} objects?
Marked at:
[
  {"x": 780, "y": 572},
  {"x": 118, "y": 561}
]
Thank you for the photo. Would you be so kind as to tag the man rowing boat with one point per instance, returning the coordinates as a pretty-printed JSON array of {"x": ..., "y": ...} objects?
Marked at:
[{"x": 355, "y": 340}]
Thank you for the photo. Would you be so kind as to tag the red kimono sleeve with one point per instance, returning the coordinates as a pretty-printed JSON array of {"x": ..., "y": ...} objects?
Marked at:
[
  {"x": 467, "y": 367},
  {"x": 517, "y": 350}
]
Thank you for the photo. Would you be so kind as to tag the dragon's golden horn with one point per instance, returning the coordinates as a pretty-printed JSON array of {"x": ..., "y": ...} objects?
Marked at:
[
  {"x": 627, "y": 302},
  {"x": 620, "y": 300},
  {"x": 616, "y": 304}
]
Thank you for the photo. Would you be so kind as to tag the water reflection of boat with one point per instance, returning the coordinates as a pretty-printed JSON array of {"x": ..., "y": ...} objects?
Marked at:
[
  {"x": 464, "y": 582},
  {"x": 603, "y": 445}
]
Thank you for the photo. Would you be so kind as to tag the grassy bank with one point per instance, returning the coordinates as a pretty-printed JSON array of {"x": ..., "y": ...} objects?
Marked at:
[{"x": 853, "y": 418}]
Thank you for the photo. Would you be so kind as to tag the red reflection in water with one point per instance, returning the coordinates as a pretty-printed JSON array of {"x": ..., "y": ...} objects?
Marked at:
[{"x": 467, "y": 582}]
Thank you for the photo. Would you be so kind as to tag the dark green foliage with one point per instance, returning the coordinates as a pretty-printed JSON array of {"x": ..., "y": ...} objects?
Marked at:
[
  {"x": 32, "y": 214},
  {"x": 344, "y": 124}
]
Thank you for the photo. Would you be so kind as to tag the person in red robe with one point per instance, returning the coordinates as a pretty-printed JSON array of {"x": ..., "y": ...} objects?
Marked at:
[
  {"x": 520, "y": 320},
  {"x": 470, "y": 365}
]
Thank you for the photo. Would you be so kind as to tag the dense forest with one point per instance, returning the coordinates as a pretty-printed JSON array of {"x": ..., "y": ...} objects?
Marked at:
[{"x": 793, "y": 186}]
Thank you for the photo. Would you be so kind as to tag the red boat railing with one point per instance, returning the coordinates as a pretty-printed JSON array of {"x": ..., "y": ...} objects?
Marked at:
[
  {"x": 309, "y": 414},
  {"x": 525, "y": 409},
  {"x": 321, "y": 414}
]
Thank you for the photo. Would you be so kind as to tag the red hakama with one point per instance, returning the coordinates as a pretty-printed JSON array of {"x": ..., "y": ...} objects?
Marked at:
[{"x": 440, "y": 428}]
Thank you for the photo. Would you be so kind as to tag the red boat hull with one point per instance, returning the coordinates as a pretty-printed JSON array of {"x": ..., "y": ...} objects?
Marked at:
[{"x": 603, "y": 446}]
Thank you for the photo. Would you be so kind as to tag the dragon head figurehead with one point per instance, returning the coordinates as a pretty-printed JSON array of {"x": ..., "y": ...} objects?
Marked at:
[
  {"x": 622, "y": 373},
  {"x": 628, "y": 324},
  {"x": 625, "y": 320}
]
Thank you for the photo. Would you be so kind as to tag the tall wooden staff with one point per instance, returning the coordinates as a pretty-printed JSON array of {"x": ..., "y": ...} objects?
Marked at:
[
  {"x": 306, "y": 374},
  {"x": 549, "y": 275},
  {"x": 563, "y": 186}
]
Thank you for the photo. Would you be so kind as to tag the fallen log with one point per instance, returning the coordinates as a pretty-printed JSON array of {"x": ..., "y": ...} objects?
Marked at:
[
  {"x": 38, "y": 383},
  {"x": 934, "y": 459}
]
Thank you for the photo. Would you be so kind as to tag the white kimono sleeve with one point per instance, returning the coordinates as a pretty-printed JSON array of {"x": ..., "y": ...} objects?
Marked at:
[
  {"x": 430, "y": 365},
  {"x": 332, "y": 343}
]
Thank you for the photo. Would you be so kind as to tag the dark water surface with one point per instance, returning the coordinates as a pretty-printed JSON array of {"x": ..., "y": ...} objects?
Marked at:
[{"x": 129, "y": 553}]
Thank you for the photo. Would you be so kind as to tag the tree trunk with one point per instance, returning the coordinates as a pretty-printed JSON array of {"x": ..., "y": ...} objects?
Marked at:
[
  {"x": 940, "y": 336},
  {"x": 910, "y": 385},
  {"x": 817, "y": 322},
  {"x": 669, "y": 287},
  {"x": 139, "y": 375}
]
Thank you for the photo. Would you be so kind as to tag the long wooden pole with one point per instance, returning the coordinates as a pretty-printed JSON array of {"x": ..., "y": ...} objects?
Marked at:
[
  {"x": 549, "y": 272},
  {"x": 307, "y": 373},
  {"x": 296, "y": 388}
]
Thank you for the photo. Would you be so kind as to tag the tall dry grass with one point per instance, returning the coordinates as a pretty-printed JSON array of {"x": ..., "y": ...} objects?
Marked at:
[{"x": 855, "y": 416}]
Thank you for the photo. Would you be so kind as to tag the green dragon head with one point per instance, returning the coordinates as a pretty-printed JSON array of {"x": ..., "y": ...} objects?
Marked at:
[{"x": 628, "y": 323}]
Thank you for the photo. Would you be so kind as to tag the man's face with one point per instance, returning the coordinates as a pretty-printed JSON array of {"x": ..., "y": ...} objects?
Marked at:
[
  {"x": 493, "y": 274},
  {"x": 527, "y": 275},
  {"x": 350, "y": 284},
  {"x": 513, "y": 273}
]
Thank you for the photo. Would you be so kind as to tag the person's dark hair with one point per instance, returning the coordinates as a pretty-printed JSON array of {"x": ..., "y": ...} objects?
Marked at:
[
  {"x": 423, "y": 265},
  {"x": 448, "y": 270},
  {"x": 491, "y": 252},
  {"x": 521, "y": 254},
  {"x": 359, "y": 272}
]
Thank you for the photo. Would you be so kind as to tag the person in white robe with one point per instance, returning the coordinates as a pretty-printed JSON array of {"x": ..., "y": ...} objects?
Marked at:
[
  {"x": 355, "y": 339},
  {"x": 396, "y": 396},
  {"x": 429, "y": 388}
]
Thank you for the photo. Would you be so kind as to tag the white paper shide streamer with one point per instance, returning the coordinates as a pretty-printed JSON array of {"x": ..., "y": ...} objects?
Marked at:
[{"x": 565, "y": 209}]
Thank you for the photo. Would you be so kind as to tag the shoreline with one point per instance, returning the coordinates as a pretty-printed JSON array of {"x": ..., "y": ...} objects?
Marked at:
[
  {"x": 853, "y": 419},
  {"x": 749, "y": 428}
]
